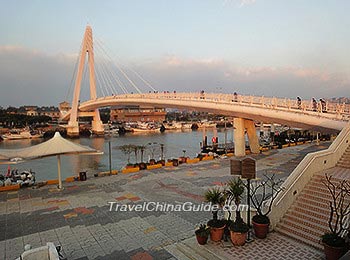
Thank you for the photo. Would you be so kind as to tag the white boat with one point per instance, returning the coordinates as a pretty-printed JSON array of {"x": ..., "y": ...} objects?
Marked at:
[
  {"x": 141, "y": 127},
  {"x": 17, "y": 134},
  {"x": 206, "y": 124},
  {"x": 173, "y": 126}
]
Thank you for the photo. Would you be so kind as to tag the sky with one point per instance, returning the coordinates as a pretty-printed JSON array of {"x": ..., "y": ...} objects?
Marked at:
[{"x": 257, "y": 47}]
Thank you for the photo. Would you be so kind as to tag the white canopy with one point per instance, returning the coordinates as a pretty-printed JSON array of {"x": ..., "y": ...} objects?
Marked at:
[{"x": 55, "y": 146}]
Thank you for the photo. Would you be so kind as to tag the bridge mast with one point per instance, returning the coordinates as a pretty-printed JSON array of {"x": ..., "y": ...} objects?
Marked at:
[{"x": 73, "y": 125}]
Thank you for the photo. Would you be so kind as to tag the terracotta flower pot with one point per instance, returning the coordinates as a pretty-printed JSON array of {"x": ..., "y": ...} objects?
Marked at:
[
  {"x": 201, "y": 240},
  {"x": 260, "y": 230},
  {"x": 333, "y": 253},
  {"x": 216, "y": 233},
  {"x": 237, "y": 238}
]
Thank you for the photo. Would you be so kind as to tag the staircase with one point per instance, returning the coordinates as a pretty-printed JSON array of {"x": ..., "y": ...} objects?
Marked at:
[
  {"x": 307, "y": 219},
  {"x": 189, "y": 249},
  {"x": 344, "y": 161}
]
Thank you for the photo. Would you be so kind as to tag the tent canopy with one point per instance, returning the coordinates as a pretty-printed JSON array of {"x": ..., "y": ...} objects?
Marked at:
[{"x": 55, "y": 146}]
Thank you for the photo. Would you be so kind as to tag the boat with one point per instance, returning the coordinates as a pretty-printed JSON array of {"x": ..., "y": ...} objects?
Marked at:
[
  {"x": 206, "y": 124},
  {"x": 145, "y": 127},
  {"x": 17, "y": 134}
]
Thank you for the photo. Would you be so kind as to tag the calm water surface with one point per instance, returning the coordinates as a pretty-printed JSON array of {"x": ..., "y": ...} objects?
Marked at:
[{"x": 174, "y": 143}]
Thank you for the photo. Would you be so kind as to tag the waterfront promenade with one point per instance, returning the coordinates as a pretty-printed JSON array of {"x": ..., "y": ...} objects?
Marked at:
[{"x": 78, "y": 218}]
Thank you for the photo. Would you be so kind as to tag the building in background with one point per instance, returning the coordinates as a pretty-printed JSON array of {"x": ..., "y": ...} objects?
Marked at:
[{"x": 137, "y": 113}]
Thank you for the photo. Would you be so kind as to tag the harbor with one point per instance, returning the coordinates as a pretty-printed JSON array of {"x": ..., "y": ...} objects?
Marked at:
[{"x": 79, "y": 218}]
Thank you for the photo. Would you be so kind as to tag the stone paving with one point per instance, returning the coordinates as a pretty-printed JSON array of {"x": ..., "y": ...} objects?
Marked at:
[{"x": 79, "y": 219}]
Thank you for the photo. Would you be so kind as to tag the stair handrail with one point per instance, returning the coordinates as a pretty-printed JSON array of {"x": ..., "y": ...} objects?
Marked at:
[
  {"x": 304, "y": 166},
  {"x": 310, "y": 158}
]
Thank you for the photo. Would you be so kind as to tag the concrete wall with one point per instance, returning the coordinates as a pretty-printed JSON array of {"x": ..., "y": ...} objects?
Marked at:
[{"x": 311, "y": 164}]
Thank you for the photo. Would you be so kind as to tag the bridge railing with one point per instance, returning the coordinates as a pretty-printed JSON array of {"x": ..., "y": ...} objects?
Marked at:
[{"x": 329, "y": 110}]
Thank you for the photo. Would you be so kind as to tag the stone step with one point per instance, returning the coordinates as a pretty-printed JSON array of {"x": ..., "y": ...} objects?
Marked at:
[
  {"x": 343, "y": 165},
  {"x": 300, "y": 227},
  {"x": 304, "y": 205},
  {"x": 172, "y": 249},
  {"x": 299, "y": 235},
  {"x": 189, "y": 249},
  {"x": 314, "y": 196},
  {"x": 201, "y": 249},
  {"x": 310, "y": 202},
  {"x": 321, "y": 216},
  {"x": 307, "y": 223},
  {"x": 309, "y": 215},
  {"x": 334, "y": 172}
]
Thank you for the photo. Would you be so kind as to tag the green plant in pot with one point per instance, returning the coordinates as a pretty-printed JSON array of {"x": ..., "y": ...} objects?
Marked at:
[
  {"x": 202, "y": 234},
  {"x": 238, "y": 229},
  {"x": 262, "y": 195},
  {"x": 334, "y": 241},
  {"x": 217, "y": 198}
]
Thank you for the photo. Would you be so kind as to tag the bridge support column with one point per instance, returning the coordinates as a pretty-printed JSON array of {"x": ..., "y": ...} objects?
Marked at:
[
  {"x": 252, "y": 136},
  {"x": 73, "y": 129},
  {"x": 96, "y": 124},
  {"x": 239, "y": 139}
]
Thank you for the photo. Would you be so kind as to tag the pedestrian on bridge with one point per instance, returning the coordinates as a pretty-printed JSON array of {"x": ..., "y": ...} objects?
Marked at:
[
  {"x": 299, "y": 102},
  {"x": 323, "y": 105},
  {"x": 314, "y": 105},
  {"x": 235, "y": 97}
]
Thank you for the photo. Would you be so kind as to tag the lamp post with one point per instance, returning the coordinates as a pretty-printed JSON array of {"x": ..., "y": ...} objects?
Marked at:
[
  {"x": 110, "y": 157},
  {"x": 162, "y": 151}
]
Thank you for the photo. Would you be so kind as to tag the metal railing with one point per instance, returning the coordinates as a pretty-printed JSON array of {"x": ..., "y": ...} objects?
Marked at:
[{"x": 328, "y": 109}]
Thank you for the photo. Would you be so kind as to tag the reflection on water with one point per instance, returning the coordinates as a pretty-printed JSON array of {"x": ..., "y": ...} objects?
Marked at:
[{"x": 174, "y": 144}]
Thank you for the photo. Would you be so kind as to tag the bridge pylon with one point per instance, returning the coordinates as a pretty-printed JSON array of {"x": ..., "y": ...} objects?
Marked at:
[
  {"x": 73, "y": 125},
  {"x": 240, "y": 126}
]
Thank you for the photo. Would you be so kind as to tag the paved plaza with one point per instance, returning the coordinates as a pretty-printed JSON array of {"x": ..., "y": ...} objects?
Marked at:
[{"x": 78, "y": 218}]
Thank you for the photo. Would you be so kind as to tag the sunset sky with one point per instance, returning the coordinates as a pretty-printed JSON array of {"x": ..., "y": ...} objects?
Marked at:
[{"x": 259, "y": 47}]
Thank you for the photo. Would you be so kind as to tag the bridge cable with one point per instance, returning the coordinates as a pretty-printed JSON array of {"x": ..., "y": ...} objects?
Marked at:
[
  {"x": 74, "y": 73},
  {"x": 122, "y": 71},
  {"x": 105, "y": 72},
  {"x": 114, "y": 75}
]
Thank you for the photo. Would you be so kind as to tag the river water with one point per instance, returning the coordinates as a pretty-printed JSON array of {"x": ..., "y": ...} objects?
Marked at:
[{"x": 174, "y": 144}]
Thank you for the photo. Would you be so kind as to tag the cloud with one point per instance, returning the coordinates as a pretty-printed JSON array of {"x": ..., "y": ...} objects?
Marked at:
[
  {"x": 217, "y": 74},
  {"x": 240, "y": 3},
  {"x": 29, "y": 76},
  {"x": 32, "y": 77},
  {"x": 247, "y": 2}
]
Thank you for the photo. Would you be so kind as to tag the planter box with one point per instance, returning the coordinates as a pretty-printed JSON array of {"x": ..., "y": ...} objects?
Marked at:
[
  {"x": 10, "y": 187},
  {"x": 51, "y": 182},
  {"x": 154, "y": 166},
  {"x": 194, "y": 160},
  {"x": 169, "y": 164},
  {"x": 230, "y": 154},
  {"x": 106, "y": 173},
  {"x": 70, "y": 179},
  {"x": 208, "y": 158},
  {"x": 285, "y": 145},
  {"x": 130, "y": 170}
]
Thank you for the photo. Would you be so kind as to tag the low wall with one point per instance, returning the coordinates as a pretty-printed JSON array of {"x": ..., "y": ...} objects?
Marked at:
[{"x": 311, "y": 164}]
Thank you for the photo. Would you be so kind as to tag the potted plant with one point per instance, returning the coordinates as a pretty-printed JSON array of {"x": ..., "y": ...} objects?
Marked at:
[
  {"x": 217, "y": 199},
  {"x": 202, "y": 234},
  {"x": 262, "y": 195},
  {"x": 127, "y": 150},
  {"x": 238, "y": 232},
  {"x": 333, "y": 241},
  {"x": 238, "y": 229}
]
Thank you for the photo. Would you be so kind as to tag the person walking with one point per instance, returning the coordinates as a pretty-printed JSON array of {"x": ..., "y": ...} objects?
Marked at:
[
  {"x": 299, "y": 102},
  {"x": 314, "y": 105},
  {"x": 323, "y": 105}
]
